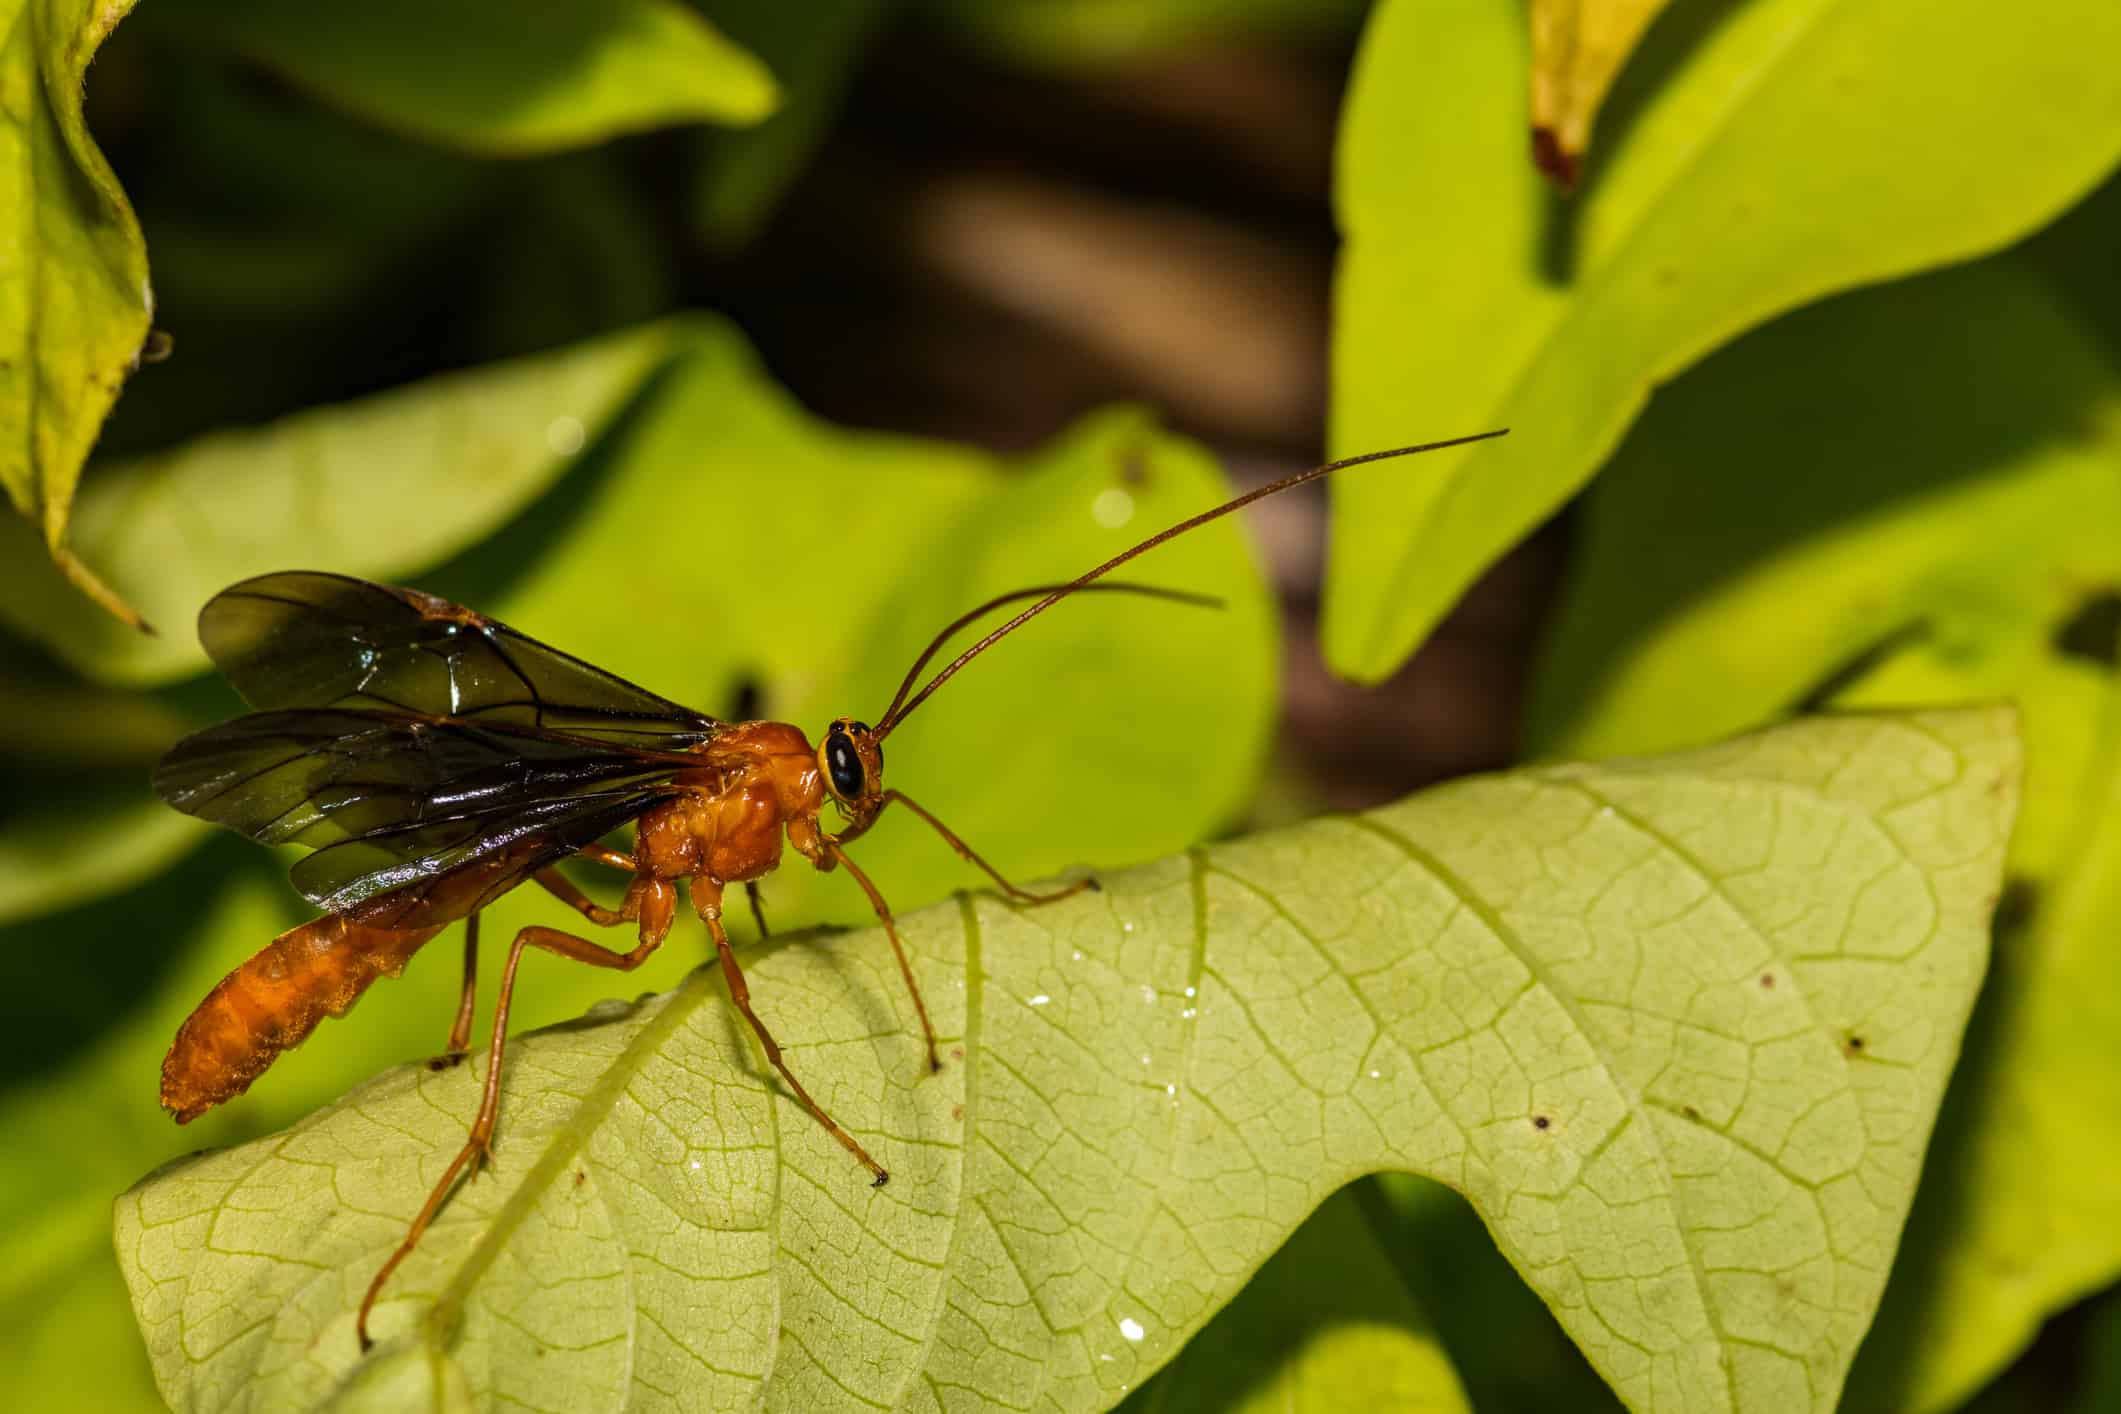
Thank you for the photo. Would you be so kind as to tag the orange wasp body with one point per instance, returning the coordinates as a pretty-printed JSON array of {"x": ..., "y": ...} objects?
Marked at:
[{"x": 434, "y": 759}]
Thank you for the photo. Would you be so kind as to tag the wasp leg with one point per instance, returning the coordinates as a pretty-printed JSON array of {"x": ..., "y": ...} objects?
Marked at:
[
  {"x": 898, "y": 950},
  {"x": 707, "y": 899},
  {"x": 467, "y": 1006},
  {"x": 971, "y": 856},
  {"x": 758, "y": 908},
  {"x": 478, "y": 1144}
]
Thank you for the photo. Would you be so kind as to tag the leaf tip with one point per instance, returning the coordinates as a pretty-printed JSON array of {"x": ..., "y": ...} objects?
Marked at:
[
  {"x": 89, "y": 583},
  {"x": 1560, "y": 165}
]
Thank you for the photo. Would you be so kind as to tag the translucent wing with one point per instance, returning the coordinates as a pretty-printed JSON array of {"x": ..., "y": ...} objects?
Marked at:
[
  {"x": 306, "y": 639},
  {"x": 415, "y": 820}
]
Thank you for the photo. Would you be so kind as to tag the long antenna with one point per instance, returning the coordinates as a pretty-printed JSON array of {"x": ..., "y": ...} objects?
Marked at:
[
  {"x": 1147, "y": 591},
  {"x": 898, "y": 713}
]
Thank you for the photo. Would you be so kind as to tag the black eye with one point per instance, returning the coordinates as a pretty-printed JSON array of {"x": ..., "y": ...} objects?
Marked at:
[
  {"x": 862, "y": 727},
  {"x": 846, "y": 767}
]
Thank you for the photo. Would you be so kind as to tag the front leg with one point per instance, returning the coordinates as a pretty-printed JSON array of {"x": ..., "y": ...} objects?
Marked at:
[
  {"x": 898, "y": 949},
  {"x": 707, "y": 901}
]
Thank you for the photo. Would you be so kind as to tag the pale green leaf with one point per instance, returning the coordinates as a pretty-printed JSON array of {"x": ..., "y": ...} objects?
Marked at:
[
  {"x": 1324, "y": 1326},
  {"x": 74, "y": 298},
  {"x": 1677, "y": 1027},
  {"x": 378, "y": 487},
  {"x": 1860, "y": 502},
  {"x": 1767, "y": 154},
  {"x": 499, "y": 78}
]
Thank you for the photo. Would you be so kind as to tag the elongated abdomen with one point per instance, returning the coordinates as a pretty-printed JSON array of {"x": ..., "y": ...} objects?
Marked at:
[{"x": 273, "y": 1001}]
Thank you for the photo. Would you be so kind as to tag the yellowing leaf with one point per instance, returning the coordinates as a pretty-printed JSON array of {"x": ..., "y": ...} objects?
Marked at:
[
  {"x": 1677, "y": 1027},
  {"x": 74, "y": 299},
  {"x": 495, "y": 77},
  {"x": 1790, "y": 148},
  {"x": 1578, "y": 47}
]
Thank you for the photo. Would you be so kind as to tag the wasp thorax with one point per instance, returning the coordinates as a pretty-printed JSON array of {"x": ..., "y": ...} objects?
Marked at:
[{"x": 852, "y": 760}]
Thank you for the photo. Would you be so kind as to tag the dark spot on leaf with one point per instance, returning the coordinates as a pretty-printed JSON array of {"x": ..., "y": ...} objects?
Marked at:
[
  {"x": 1767, "y": 980},
  {"x": 1133, "y": 466},
  {"x": 957, "y": 1053},
  {"x": 750, "y": 697},
  {"x": 2093, "y": 633},
  {"x": 957, "y": 1112},
  {"x": 1690, "y": 1112},
  {"x": 1540, "y": 1121},
  {"x": 581, "y": 1176},
  {"x": 1852, "y": 1043}
]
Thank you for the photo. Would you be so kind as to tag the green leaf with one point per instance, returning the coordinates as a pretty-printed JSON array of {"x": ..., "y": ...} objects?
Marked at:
[
  {"x": 1072, "y": 33},
  {"x": 74, "y": 299},
  {"x": 1758, "y": 157},
  {"x": 498, "y": 78},
  {"x": 812, "y": 50},
  {"x": 1677, "y": 1027},
  {"x": 1324, "y": 1326},
  {"x": 75, "y": 819},
  {"x": 1858, "y": 503},
  {"x": 353, "y": 488},
  {"x": 96, "y": 836}
]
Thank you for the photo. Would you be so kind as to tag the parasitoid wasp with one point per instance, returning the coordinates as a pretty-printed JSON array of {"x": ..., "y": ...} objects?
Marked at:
[{"x": 434, "y": 759}]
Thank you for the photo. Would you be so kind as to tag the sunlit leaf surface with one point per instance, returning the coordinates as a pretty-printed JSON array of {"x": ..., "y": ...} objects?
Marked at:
[
  {"x": 1754, "y": 157},
  {"x": 1859, "y": 504},
  {"x": 1678, "y": 1028}
]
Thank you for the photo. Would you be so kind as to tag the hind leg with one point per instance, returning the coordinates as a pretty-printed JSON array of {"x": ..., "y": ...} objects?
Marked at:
[{"x": 653, "y": 905}]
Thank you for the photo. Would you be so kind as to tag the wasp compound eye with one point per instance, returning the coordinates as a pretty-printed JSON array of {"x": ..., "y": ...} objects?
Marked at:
[{"x": 845, "y": 766}]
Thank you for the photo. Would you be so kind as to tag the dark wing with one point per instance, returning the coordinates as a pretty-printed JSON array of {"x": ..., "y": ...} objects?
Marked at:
[
  {"x": 393, "y": 803},
  {"x": 305, "y": 639}
]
